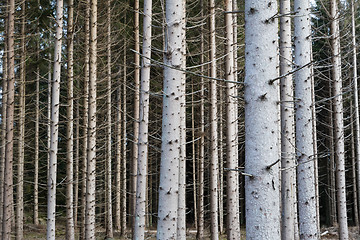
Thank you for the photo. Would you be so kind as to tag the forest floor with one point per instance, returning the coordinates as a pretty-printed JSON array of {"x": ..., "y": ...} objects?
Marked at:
[{"x": 33, "y": 232}]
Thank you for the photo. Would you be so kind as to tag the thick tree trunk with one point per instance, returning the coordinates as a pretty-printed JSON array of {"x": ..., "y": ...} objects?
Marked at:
[
  {"x": 140, "y": 213},
  {"x": 262, "y": 121},
  {"x": 304, "y": 130},
  {"x": 338, "y": 122},
  {"x": 288, "y": 173},
  {"x": 171, "y": 125},
  {"x": 91, "y": 151},
  {"x": 20, "y": 178},
  {"x": 70, "y": 229},
  {"x": 55, "y": 105},
  {"x": 233, "y": 221}
]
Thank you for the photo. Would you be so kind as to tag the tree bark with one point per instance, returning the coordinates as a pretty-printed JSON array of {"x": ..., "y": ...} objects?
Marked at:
[
  {"x": 134, "y": 159},
  {"x": 55, "y": 105},
  {"x": 338, "y": 122},
  {"x": 171, "y": 123},
  {"x": 109, "y": 215},
  {"x": 20, "y": 177},
  {"x": 233, "y": 221},
  {"x": 356, "y": 98},
  {"x": 214, "y": 165},
  {"x": 304, "y": 130},
  {"x": 91, "y": 151},
  {"x": 288, "y": 170},
  {"x": 85, "y": 118},
  {"x": 143, "y": 144},
  {"x": 70, "y": 228},
  {"x": 262, "y": 121}
]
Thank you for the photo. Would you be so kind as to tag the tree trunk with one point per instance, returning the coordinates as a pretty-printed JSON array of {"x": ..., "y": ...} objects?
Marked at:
[
  {"x": 288, "y": 173},
  {"x": 233, "y": 221},
  {"x": 91, "y": 151},
  {"x": 55, "y": 105},
  {"x": 109, "y": 225},
  {"x": 262, "y": 115},
  {"x": 70, "y": 229},
  {"x": 3, "y": 123},
  {"x": 214, "y": 162},
  {"x": 221, "y": 163},
  {"x": 85, "y": 118},
  {"x": 171, "y": 123},
  {"x": 181, "y": 221},
  {"x": 140, "y": 212},
  {"x": 338, "y": 122},
  {"x": 303, "y": 107},
  {"x": 356, "y": 95},
  {"x": 124, "y": 132},
  {"x": 353, "y": 167},
  {"x": 20, "y": 177},
  {"x": 134, "y": 159}
]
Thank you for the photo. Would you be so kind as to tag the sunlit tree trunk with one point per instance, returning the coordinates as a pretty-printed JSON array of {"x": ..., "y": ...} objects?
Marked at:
[
  {"x": 140, "y": 213},
  {"x": 55, "y": 105},
  {"x": 262, "y": 121},
  {"x": 233, "y": 221},
  {"x": 338, "y": 122},
  {"x": 70, "y": 230},
  {"x": 353, "y": 166},
  {"x": 171, "y": 125},
  {"x": 304, "y": 130},
  {"x": 91, "y": 151},
  {"x": 288, "y": 173}
]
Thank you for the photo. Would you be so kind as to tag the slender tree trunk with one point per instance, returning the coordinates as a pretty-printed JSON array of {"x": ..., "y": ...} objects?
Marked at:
[
  {"x": 91, "y": 151},
  {"x": 221, "y": 163},
  {"x": 304, "y": 130},
  {"x": 214, "y": 165},
  {"x": 8, "y": 164},
  {"x": 3, "y": 125},
  {"x": 356, "y": 98},
  {"x": 20, "y": 177},
  {"x": 193, "y": 143},
  {"x": 109, "y": 225},
  {"x": 37, "y": 120},
  {"x": 171, "y": 125},
  {"x": 118, "y": 161},
  {"x": 124, "y": 132},
  {"x": 140, "y": 213},
  {"x": 77, "y": 160},
  {"x": 85, "y": 118},
  {"x": 288, "y": 174},
  {"x": 70, "y": 229},
  {"x": 134, "y": 160},
  {"x": 353, "y": 166},
  {"x": 233, "y": 221},
  {"x": 262, "y": 115},
  {"x": 338, "y": 122},
  {"x": 49, "y": 98},
  {"x": 201, "y": 207},
  {"x": 55, "y": 105}
]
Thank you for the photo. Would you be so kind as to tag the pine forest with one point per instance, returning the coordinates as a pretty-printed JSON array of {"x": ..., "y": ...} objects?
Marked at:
[{"x": 179, "y": 119}]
